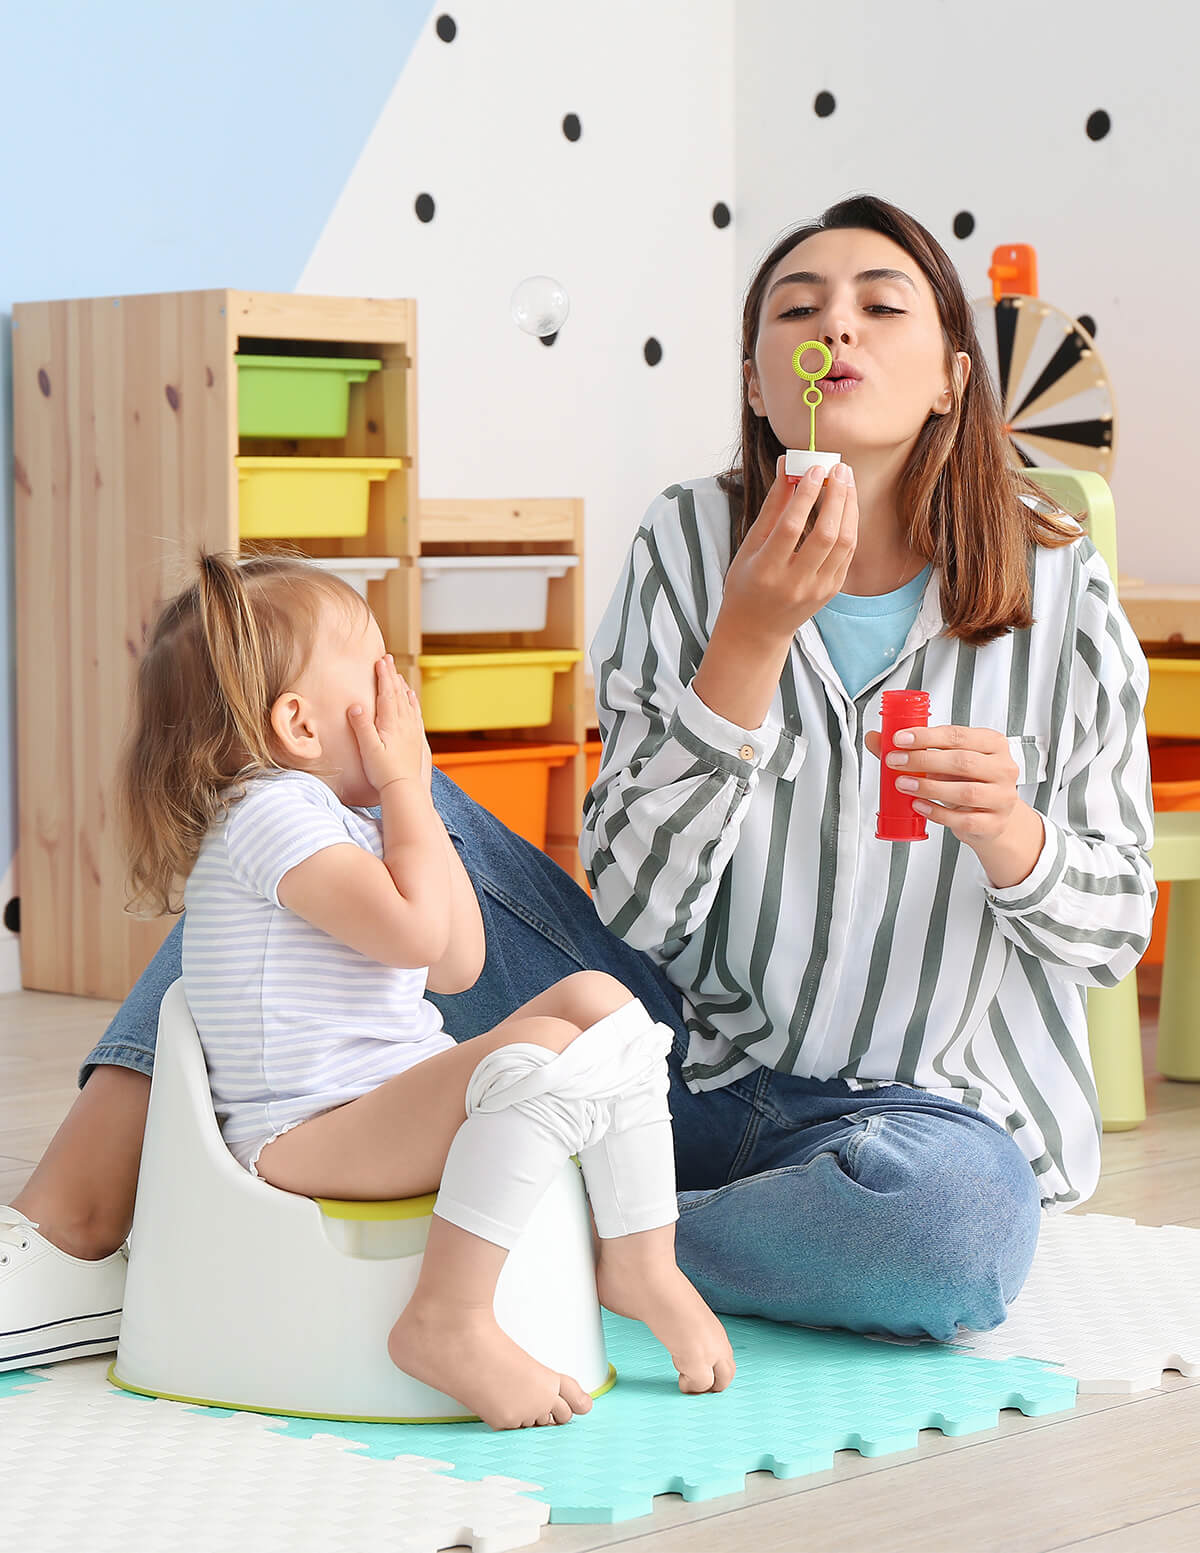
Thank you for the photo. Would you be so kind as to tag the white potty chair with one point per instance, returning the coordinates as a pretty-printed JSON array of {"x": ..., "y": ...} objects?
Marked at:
[{"x": 240, "y": 1295}]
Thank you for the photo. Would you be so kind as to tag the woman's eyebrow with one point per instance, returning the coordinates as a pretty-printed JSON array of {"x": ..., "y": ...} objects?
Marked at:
[{"x": 811, "y": 278}]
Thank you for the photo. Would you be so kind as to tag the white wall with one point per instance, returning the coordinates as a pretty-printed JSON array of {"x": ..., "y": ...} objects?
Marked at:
[
  {"x": 952, "y": 105},
  {"x": 622, "y": 217}
]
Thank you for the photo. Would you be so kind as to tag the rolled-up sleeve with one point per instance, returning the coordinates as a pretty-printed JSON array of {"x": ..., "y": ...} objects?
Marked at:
[
  {"x": 676, "y": 779},
  {"x": 1086, "y": 908}
]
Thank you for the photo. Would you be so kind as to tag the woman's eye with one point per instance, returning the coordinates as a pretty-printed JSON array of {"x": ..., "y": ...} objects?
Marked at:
[
  {"x": 797, "y": 311},
  {"x": 882, "y": 307}
]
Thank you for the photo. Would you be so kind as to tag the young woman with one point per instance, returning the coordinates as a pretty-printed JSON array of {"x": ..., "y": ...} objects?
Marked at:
[{"x": 880, "y": 1072}]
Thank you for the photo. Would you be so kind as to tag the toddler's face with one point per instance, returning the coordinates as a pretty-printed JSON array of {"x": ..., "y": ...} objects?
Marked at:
[{"x": 341, "y": 674}]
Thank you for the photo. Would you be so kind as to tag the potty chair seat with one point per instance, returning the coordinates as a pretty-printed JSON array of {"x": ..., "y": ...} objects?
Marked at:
[{"x": 241, "y": 1295}]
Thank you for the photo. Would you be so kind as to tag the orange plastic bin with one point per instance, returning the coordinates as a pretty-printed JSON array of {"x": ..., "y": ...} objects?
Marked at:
[
  {"x": 1175, "y": 782},
  {"x": 511, "y": 781}
]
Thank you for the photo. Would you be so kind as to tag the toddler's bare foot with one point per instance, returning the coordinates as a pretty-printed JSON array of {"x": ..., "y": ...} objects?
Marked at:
[
  {"x": 466, "y": 1354},
  {"x": 637, "y": 1276}
]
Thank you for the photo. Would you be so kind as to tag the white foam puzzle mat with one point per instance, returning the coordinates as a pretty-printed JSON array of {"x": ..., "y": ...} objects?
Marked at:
[
  {"x": 85, "y": 1468},
  {"x": 1110, "y": 1303},
  {"x": 1113, "y": 1302}
]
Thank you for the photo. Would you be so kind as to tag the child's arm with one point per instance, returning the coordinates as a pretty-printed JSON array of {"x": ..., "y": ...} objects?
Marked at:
[
  {"x": 461, "y": 965},
  {"x": 400, "y": 911}
]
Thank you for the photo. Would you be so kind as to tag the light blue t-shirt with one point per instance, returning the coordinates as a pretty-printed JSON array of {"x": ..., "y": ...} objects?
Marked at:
[{"x": 863, "y": 635}]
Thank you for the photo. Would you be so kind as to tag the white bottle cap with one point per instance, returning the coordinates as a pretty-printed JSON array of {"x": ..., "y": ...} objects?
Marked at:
[{"x": 798, "y": 463}]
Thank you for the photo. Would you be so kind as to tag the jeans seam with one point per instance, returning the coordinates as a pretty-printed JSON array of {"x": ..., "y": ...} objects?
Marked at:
[
  {"x": 858, "y": 1139},
  {"x": 117, "y": 1054},
  {"x": 754, "y": 1125},
  {"x": 762, "y": 1175},
  {"x": 538, "y": 923}
]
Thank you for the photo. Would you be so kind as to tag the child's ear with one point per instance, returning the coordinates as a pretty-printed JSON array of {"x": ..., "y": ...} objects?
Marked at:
[{"x": 295, "y": 728}]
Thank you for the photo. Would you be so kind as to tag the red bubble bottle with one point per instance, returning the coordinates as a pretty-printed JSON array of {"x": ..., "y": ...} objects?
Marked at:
[{"x": 897, "y": 820}]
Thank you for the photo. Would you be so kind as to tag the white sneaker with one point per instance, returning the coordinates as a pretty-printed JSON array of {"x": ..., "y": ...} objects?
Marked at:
[{"x": 54, "y": 1306}]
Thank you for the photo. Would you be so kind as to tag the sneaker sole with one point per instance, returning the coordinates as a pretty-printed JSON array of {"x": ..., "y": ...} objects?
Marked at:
[{"x": 70, "y": 1339}]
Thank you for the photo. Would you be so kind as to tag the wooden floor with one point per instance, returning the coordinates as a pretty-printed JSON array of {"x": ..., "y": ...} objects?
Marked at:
[{"x": 1119, "y": 1475}]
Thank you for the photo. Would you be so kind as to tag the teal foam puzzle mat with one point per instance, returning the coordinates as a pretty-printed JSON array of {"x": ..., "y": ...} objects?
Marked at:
[{"x": 799, "y": 1396}]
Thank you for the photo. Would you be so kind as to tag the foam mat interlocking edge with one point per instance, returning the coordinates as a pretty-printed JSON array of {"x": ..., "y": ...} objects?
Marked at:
[
  {"x": 1142, "y": 1310},
  {"x": 799, "y": 1397}
]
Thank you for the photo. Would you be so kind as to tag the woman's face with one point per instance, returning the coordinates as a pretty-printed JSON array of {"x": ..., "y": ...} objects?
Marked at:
[{"x": 869, "y": 302}]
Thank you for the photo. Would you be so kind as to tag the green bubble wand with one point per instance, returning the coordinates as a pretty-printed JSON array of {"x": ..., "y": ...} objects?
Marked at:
[{"x": 798, "y": 462}]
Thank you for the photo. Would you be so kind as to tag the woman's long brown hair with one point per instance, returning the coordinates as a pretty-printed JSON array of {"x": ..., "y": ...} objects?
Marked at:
[
  {"x": 960, "y": 498},
  {"x": 219, "y": 655}
]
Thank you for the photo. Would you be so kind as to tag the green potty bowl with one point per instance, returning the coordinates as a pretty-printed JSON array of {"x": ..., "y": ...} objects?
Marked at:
[{"x": 297, "y": 396}]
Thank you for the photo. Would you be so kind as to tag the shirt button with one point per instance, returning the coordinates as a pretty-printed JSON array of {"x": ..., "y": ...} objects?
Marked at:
[{"x": 747, "y": 752}]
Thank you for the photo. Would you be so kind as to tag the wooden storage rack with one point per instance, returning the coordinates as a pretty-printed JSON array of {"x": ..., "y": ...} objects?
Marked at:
[{"x": 125, "y": 439}]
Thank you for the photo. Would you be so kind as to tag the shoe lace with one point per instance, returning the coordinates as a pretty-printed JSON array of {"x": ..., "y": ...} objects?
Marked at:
[{"x": 14, "y": 1231}]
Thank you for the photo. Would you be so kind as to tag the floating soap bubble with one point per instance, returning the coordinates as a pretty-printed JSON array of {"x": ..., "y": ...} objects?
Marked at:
[{"x": 540, "y": 306}]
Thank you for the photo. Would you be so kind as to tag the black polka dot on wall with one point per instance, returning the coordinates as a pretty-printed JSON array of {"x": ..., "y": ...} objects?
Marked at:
[
  {"x": 424, "y": 207},
  {"x": 721, "y": 215},
  {"x": 823, "y": 104},
  {"x": 964, "y": 224},
  {"x": 572, "y": 128},
  {"x": 652, "y": 351},
  {"x": 447, "y": 28},
  {"x": 12, "y": 915},
  {"x": 1087, "y": 323},
  {"x": 1098, "y": 124}
]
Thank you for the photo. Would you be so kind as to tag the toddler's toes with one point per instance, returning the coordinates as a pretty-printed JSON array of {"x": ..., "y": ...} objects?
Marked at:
[
  {"x": 724, "y": 1370},
  {"x": 573, "y": 1396},
  {"x": 695, "y": 1379}
]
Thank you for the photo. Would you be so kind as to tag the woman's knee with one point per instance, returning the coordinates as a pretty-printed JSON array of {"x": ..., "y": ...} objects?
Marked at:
[{"x": 964, "y": 1238}]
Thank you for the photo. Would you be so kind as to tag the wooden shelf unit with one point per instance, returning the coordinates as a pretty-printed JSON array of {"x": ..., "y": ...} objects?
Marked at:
[
  {"x": 125, "y": 440},
  {"x": 541, "y": 526}
]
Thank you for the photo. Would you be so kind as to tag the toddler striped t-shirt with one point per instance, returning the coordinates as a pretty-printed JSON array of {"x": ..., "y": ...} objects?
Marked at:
[{"x": 292, "y": 1022}]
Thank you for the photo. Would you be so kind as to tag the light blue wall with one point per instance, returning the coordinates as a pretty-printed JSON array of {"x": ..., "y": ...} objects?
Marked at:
[{"x": 153, "y": 147}]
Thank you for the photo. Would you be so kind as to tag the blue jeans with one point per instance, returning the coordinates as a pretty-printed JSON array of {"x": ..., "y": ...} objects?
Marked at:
[{"x": 888, "y": 1210}]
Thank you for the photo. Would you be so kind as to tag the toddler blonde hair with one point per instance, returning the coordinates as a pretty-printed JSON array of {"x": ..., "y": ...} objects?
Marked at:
[{"x": 219, "y": 655}]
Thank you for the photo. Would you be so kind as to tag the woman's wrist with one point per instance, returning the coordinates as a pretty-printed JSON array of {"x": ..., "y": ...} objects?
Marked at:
[
  {"x": 739, "y": 674},
  {"x": 1009, "y": 858}
]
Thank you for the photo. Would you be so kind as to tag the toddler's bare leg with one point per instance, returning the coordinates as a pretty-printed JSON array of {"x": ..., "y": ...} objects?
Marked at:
[
  {"x": 394, "y": 1142},
  {"x": 81, "y": 1193}
]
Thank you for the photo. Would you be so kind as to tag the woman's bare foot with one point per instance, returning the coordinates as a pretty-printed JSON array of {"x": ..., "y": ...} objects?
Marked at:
[
  {"x": 637, "y": 1276},
  {"x": 464, "y": 1352}
]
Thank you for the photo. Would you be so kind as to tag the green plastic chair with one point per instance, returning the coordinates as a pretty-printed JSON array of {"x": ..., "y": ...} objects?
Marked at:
[{"x": 1114, "y": 1032}]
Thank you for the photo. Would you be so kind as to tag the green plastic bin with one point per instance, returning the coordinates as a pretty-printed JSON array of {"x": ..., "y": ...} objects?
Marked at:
[{"x": 297, "y": 396}]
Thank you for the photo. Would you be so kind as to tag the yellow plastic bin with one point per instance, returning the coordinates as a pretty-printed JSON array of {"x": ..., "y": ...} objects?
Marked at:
[
  {"x": 511, "y": 781},
  {"x": 293, "y": 498},
  {"x": 1175, "y": 783},
  {"x": 472, "y": 688},
  {"x": 1173, "y": 704}
]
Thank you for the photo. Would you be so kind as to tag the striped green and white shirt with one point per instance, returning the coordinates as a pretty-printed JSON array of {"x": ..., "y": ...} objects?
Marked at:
[{"x": 745, "y": 860}]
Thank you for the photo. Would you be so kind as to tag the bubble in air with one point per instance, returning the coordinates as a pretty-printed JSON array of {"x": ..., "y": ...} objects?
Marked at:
[{"x": 540, "y": 306}]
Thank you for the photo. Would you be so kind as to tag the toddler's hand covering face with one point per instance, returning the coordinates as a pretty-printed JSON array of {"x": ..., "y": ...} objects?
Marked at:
[{"x": 392, "y": 748}]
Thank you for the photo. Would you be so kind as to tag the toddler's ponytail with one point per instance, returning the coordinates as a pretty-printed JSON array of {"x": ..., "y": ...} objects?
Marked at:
[{"x": 218, "y": 656}]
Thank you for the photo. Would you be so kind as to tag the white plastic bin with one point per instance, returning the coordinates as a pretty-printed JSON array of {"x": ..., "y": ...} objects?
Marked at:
[
  {"x": 357, "y": 570},
  {"x": 463, "y": 594}
]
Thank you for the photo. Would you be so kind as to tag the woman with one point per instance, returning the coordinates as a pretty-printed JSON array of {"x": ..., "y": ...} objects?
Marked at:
[{"x": 880, "y": 1070}]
